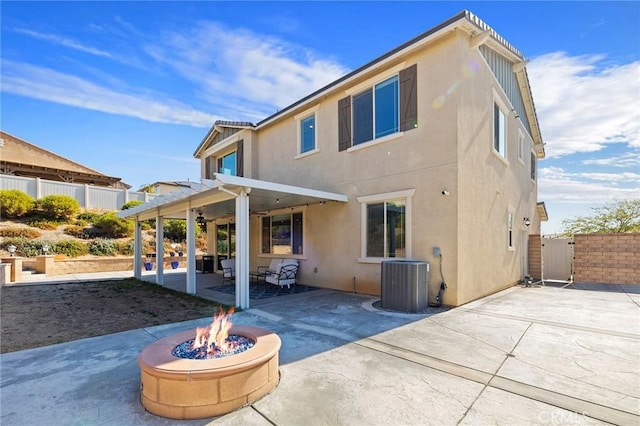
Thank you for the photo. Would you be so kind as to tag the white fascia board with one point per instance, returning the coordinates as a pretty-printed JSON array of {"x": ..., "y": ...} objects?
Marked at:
[
  {"x": 223, "y": 144},
  {"x": 278, "y": 187}
]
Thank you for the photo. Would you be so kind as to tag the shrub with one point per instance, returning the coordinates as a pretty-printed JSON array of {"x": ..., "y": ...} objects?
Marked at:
[
  {"x": 176, "y": 230},
  {"x": 131, "y": 204},
  {"x": 58, "y": 207},
  {"x": 76, "y": 231},
  {"x": 114, "y": 227},
  {"x": 28, "y": 233},
  {"x": 103, "y": 247},
  {"x": 71, "y": 248},
  {"x": 88, "y": 217},
  {"x": 43, "y": 223},
  {"x": 15, "y": 203},
  {"x": 28, "y": 248},
  {"x": 125, "y": 248}
]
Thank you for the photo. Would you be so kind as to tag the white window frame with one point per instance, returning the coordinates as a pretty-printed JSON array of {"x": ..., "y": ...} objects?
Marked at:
[
  {"x": 497, "y": 101},
  {"x": 364, "y": 201},
  {"x": 521, "y": 148},
  {"x": 298, "y": 118}
]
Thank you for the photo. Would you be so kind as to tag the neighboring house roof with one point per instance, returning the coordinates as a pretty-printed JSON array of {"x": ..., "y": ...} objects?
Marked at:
[
  {"x": 465, "y": 20},
  {"x": 21, "y": 158},
  {"x": 162, "y": 184}
]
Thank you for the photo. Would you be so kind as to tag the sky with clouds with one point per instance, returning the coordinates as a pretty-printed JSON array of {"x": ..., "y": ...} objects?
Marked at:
[{"x": 131, "y": 88}]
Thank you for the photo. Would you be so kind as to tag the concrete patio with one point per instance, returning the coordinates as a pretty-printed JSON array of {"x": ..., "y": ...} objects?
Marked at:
[{"x": 537, "y": 355}]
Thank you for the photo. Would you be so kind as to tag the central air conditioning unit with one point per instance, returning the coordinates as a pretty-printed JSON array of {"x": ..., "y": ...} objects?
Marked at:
[{"x": 405, "y": 285}]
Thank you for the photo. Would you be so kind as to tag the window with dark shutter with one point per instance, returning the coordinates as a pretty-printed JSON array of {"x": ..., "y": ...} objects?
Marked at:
[
  {"x": 240, "y": 158},
  {"x": 409, "y": 98},
  {"x": 344, "y": 123}
]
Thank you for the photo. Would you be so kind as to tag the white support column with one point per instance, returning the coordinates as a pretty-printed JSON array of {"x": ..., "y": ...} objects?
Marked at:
[
  {"x": 137, "y": 249},
  {"x": 242, "y": 248},
  {"x": 191, "y": 251},
  {"x": 159, "y": 250}
]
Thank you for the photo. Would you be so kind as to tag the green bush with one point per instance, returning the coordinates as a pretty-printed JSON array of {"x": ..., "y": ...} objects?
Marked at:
[
  {"x": 176, "y": 230},
  {"x": 131, "y": 204},
  {"x": 15, "y": 203},
  {"x": 28, "y": 248},
  {"x": 58, "y": 207},
  {"x": 88, "y": 217},
  {"x": 103, "y": 247},
  {"x": 28, "y": 233},
  {"x": 71, "y": 248},
  {"x": 114, "y": 227}
]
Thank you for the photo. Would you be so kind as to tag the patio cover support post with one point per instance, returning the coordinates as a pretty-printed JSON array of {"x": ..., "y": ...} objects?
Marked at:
[
  {"x": 159, "y": 250},
  {"x": 242, "y": 248},
  {"x": 137, "y": 249},
  {"x": 191, "y": 251}
]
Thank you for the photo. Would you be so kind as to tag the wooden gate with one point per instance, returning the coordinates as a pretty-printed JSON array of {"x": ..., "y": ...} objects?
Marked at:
[{"x": 557, "y": 258}]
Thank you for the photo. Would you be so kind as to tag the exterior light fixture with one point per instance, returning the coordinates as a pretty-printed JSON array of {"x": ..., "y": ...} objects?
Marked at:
[
  {"x": 526, "y": 221},
  {"x": 12, "y": 250},
  {"x": 45, "y": 248},
  {"x": 200, "y": 220}
]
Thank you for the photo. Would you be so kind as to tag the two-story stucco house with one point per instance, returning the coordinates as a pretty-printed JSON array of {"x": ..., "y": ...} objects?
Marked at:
[{"x": 428, "y": 152}]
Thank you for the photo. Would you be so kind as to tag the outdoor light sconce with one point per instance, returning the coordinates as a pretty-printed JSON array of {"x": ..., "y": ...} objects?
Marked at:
[
  {"x": 12, "y": 250},
  {"x": 526, "y": 221},
  {"x": 45, "y": 249},
  {"x": 202, "y": 223}
]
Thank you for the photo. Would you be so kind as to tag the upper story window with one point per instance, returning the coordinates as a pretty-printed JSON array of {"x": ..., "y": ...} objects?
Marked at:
[
  {"x": 282, "y": 234},
  {"x": 521, "y": 149},
  {"x": 499, "y": 131},
  {"x": 308, "y": 134},
  {"x": 387, "y": 107},
  {"x": 376, "y": 112},
  {"x": 533, "y": 166},
  {"x": 227, "y": 164}
]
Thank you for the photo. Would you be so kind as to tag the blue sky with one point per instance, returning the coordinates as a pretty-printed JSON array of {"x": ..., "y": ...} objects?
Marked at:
[{"x": 131, "y": 88}]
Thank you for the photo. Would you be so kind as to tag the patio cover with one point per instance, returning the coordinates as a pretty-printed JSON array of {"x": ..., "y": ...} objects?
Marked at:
[{"x": 221, "y": 197}]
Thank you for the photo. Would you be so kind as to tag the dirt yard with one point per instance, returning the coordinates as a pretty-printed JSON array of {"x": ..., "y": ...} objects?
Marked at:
[{"x": 39, "y": 315}]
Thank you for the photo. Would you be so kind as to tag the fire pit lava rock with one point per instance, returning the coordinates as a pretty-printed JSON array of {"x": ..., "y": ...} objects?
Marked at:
[{"x": 182, "y": 388}]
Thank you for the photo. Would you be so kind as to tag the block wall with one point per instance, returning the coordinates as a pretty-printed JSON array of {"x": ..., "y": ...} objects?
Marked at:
[{"x": 607, "y": 258}]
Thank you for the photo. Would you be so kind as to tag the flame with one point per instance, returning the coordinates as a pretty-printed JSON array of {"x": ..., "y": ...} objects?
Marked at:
[{"x": 214, "y": 337}]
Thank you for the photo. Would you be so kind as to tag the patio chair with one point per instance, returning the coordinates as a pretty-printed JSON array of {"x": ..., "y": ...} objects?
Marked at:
[
  {"x": 284, "y": 275},
  {"x": 263, "y": 271},
  {"x": 228, "y": 270}
]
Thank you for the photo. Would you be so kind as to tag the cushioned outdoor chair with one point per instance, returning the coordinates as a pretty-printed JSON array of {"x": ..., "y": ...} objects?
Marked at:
[
  {"x": 228, "y": 270},
  {"x": 285, "y": 274}
]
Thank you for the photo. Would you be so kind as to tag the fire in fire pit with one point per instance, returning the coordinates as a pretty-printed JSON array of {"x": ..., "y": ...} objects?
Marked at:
[
  {"x": 220, "y": 369},
  {"x": 214, "y": 341}
]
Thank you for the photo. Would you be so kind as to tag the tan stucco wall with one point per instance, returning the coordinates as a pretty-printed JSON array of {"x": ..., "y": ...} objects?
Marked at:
[
  {"x": 450, "y": 150},
  {"x": 489, "y": 187}
]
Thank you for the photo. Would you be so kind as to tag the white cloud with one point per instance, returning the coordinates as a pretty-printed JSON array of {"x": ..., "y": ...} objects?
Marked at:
[
  {"x": 50, "y": 85},
  {"x": 582, "y": 106},
  {"x": 555, "y": 183},
  {"x": 628, "y": 159},
  {"x": 240, "y": 66},
  {"x": 64, "y": 41}
]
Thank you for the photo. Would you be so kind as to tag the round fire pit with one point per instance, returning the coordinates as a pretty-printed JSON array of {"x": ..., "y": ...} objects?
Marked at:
[{"x": 182, "y": 388}]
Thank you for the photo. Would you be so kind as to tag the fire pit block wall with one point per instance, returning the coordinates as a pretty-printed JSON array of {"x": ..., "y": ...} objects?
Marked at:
[{"x": 180, "y": 388}]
